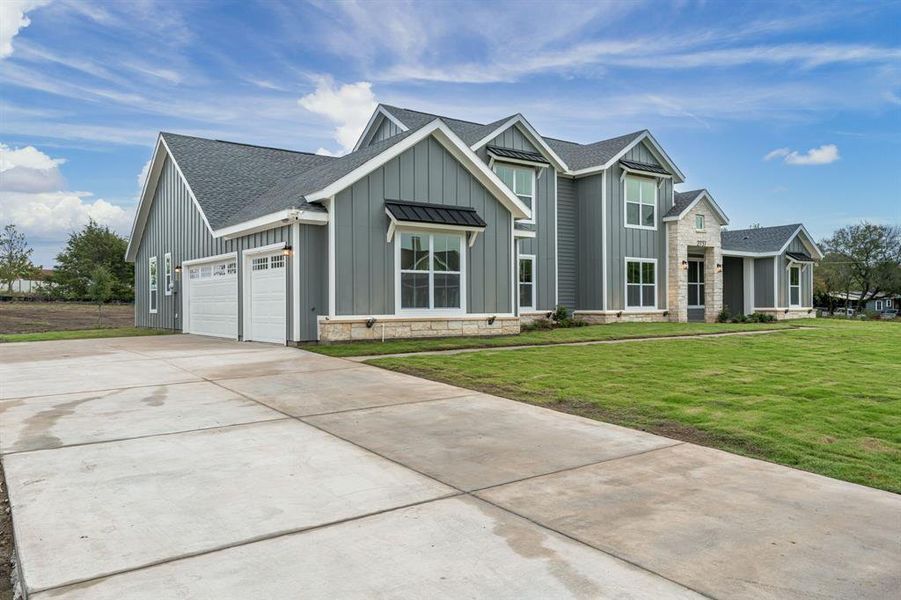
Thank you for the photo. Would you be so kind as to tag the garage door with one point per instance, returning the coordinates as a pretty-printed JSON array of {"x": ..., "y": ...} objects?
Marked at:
[
  {"x": 268, "y": 304},
  {"x": 212, "y": 298}
]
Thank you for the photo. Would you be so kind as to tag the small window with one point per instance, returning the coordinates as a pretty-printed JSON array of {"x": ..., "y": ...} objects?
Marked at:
[
  {"x": 699, "y": 222},
  {"x": 527, "y": 283},
  {"x": 521, "y": 180},
  {"x": 277, "y": 261},
  {"x": 641, "y": 283},
  {"x": 260, "y": 264},
  {"x": 167, "y": 269},
  {"x": 153, "y": 284},
  {"x": 431, "y": 271},
  {"x": 889, "y": 304},
  {"x": 879, "y": 305},
  {"x": 794, "y": 286},
  {"x": 641, "y": 202}
]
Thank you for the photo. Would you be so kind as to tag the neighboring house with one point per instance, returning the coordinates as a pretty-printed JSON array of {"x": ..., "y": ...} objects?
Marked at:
[
  {"x": 437, "y": 226},
  {"x": 879, "y": 302},
  {"x": 30, "y": 286}
]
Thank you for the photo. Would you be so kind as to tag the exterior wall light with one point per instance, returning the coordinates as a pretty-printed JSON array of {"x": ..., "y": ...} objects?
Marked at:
[
  {"x": 177, "y": 270},
  {"x": 286, "y": 251},
  {"x": 491, "y": 319},
  {"x": 370, "y": 322},
  {"x": 684, "y": 265},
  {"x": 719, "y": 268}
]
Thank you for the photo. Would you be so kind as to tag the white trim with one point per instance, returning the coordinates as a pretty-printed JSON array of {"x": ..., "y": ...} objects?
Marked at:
[
  {"x": 380, "y": 111},
  {"x": 413, "y": 316},
  {"x": 605, "y": 240},
  {"x": 812, "y": 244},
  {"x": 533, "y": 199},
  {"x": 878, "y": 305},
  {"x": 530, "y": 134},
  {"x": 702, "y": 195},
  {"x": 530, "y": 258},
  {"x": 645, "y": 135},
  {"x": 454, "y": 145},
  {"x": 640, "y": 203},
  {"x": 747, "y": 254},
  {"x": 146, "y": 198},
  {"x": 264, "y": 249},
  {"x": 523, "y": 233},
  {"x": 168, "y": 275},
  {"x": 295, "y": 282},
  {"x": 276, "y": 219},
  {"x": 517, "y": 161},
  {"x": 514, "y": 249},
  {"x": 697, "y": 284},
  {"x": 398, "y": 271},
  {"x": 332, "y": 302},
  {"x": 153, "y": 287},
  {"x": 789, "y": 286},
  {"x": 640, "y": 308},
  {"x": 206, "y": 259},
  {"x": 643, "y": 173}
]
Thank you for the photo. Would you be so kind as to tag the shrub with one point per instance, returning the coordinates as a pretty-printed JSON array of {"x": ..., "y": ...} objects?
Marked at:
[
  {"x": 538, "y": 325},
  {"x": 724, "y": 316},
  {"x": 761, "y": 318}
]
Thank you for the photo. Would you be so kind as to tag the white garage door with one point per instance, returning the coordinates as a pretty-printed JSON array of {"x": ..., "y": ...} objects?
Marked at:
[
  {"x": 212, "y": 298},
  {"x": 268, "y": 304}
]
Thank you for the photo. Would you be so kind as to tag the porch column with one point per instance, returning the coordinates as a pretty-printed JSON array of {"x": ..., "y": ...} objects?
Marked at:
[
  {"x": 713, "y": 283},
  {"x": 748, "y": 280},
  {"x": 677, "y": 278}
]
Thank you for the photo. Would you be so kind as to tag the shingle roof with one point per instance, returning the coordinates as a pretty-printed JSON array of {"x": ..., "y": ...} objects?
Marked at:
[
  {"x": 517, "y": 154},
  {"x": 583, "y": 156},
  {"x": 646, "y": 167},
  {"x": 421, "y": 212},
  {"x": 468, "y": 131},
  {"x": 760, "y": 239},
  {"x": 227, "y": 177},
  {"x": 681, "y": 200}
]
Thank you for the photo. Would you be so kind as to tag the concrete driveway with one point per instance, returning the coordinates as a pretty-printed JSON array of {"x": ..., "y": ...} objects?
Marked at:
[{"x": 187, "y": 467}]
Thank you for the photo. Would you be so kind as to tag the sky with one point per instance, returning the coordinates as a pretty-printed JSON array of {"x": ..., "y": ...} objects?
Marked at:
[{"x": 786, "y": 111}]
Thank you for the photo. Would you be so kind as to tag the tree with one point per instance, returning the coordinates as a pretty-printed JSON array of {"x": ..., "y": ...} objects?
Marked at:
[
  {"x": 87, "y": 249},
  {"x": 832, "y": 278},
  {"x": 872, "y": 254},
  {"x": 100, "y": 289},
  {"x": 15, "y": 257}
]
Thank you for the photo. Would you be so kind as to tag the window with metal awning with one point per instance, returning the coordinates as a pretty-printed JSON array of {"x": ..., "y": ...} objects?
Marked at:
[
  {"x": 422, "y": 215},
  {"x": 525, "y": 157},
  {"x": 799, "y": 257}
]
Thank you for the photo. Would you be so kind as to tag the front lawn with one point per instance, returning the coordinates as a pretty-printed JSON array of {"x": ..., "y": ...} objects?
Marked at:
[
  {"x": 825, "y": 399},
  {"x": 79, "y": 334},
  {"x": 590, "y": 333}
]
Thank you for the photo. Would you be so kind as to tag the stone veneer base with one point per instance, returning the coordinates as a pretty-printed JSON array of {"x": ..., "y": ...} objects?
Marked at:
[
  {"x": 621, "y": 317},
  {"x": 344, "y": 330},
  {"x": 792, "y": 313}
]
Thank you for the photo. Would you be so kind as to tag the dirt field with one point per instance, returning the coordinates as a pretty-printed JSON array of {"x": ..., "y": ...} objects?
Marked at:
[{"x": 28, "y": 317}]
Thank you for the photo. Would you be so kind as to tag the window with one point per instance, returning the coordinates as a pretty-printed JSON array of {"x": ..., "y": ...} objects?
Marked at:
[
  {"x": 699, "y": 222},
  {"x": 888, "y": 303},
  {"x": 794, "y": 286},
  {"x": 152, "y": 283},
  {"x": 527, "y": 282},
  {"x": 879, "y": 305},
  {"x": 641, "y": 202},
  {"x": 641, "y": 283},
  {"x": 431, "y": 271},
  {"x": 695, "y": 283},
  {"x": 167, "y": 270},
  {"x": 260, "y": 264},
  {"x": 521, "y": 180}
]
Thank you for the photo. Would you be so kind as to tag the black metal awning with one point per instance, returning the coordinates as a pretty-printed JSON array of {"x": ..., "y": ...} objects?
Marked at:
[
  {"x": 524, "y": 155},
  {"x": 646, "y": 167},
  {"x": 434, "y": 214},
  {"x": 799, "y": 257}
]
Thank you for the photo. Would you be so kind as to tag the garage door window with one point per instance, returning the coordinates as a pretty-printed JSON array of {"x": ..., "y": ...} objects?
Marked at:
[
  {"x": 213, "y": 271},
  {"x": 154, "y": 284}
]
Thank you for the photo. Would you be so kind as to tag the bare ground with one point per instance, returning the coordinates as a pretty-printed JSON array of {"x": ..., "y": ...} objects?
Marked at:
[{"x": 35, "y": 317}]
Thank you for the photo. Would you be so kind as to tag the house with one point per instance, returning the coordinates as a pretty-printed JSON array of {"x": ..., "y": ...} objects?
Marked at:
[
  {"x": 438, "y": 226},
  {"x": 879, "y": 302},
  {"x": 39, "y": 282}
]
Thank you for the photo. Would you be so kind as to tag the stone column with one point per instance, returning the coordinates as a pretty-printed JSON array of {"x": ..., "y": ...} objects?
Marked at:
[
  {"x": 677, "y": 278},
  {"x": 713, "y": 283}
]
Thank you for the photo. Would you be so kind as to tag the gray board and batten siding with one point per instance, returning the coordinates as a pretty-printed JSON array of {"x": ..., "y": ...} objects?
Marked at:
[
  {"x": 733, "y": 285},
  {"x": 385, "y": 130},
  {"x": 364, "y": 260},
  {"x": 568, "y": 242},
  {"x": 806, "y": 275},
  {"x": 175, "y": 226}
]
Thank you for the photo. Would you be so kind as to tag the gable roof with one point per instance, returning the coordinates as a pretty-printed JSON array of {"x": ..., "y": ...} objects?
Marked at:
[
  {"x": 766, "y": 240},
  {"x": 468, "y": 131},
  {"x": 685, "y": 201},
  {"x": 584, "y": 156},
  {"x": 226, "y": 177}
]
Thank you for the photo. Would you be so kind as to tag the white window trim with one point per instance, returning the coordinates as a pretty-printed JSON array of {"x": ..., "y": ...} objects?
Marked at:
[
  {"x": 529, "y": 257},
  {"x": 534, "y": 196},
  {"x": 640, "y": 204},
  {"x": 700, "y": 269},
  {"x": 790, "y": 286},
  {"x": 429, "y": 312},
  {"x": 628, "y": 308},
  {"x": 168, "y": 280},
  {"x": 703, "y": 223},
  {"x": 153, "y": 287},
  {"x": 879, "y": 305},
  {"x": 889, "y": 303}
]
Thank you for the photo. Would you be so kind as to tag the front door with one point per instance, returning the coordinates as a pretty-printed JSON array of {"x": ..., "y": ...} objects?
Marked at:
[{"x": 695, "y": 289}]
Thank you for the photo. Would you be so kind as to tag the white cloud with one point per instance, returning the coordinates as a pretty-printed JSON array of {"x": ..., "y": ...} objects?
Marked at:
[
  {"x": 824, "y": 155},
  {"x": 28, "y": 157},
  {"x": 29, "y": 170},
  {"x": 142, "y": 176},
  {"x": 348, "y": 106},
  {"x": 13, "y": 19}
]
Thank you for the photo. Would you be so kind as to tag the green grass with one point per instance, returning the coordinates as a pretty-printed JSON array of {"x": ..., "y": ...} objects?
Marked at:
[
  {"x": 590, "y": 333},
  {"x": 81, "y": 334},
  {"x": 825, "y": 399}
]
